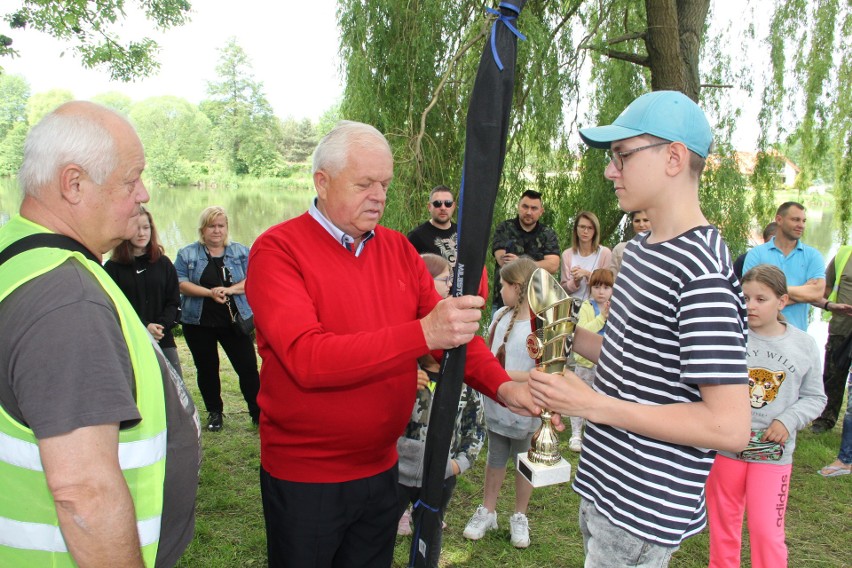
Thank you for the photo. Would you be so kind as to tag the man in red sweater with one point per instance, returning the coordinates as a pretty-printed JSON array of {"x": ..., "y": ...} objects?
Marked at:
[{"x": 343, "y": 309}]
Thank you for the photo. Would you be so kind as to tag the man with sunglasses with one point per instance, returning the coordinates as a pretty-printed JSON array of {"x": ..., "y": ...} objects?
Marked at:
[
  {"x": 671, "y": 383},
  {"x": 438, "y": 235}
]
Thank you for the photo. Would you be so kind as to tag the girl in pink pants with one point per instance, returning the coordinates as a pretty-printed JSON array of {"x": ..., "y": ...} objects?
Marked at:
[{"x": 786, "y": 393}]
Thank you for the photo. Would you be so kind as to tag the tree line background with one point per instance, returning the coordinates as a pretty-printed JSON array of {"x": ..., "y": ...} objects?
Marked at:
[
  {"x": 408, "y": 68},
  {"x": 233, "y": 132}
]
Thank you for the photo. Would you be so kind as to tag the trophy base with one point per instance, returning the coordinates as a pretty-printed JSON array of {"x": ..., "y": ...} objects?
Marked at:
[{"x": 540, "y": 475}]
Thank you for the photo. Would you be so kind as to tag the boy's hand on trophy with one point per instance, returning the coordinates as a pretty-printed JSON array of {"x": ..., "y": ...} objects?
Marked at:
[{"x": 564, "y": 394}]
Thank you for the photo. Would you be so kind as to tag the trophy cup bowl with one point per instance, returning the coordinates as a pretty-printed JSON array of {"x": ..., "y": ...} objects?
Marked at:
[{"x": 555, "y": 317}]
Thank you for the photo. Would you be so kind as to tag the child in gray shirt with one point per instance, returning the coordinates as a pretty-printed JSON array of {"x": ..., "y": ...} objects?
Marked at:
[{"x": 786, "y": 393}]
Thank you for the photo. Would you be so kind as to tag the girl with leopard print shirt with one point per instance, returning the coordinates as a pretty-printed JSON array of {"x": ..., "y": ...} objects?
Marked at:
[{"x": 786, "y": 393}]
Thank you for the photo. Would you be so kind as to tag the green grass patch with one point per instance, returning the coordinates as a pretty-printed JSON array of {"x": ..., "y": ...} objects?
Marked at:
[{"x": 230, "y": 530}]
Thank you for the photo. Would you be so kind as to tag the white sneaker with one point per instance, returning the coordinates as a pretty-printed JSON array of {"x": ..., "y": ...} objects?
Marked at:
[
  {"x": 519, "y": 526},
  {"x": 481, "y": 522},
  {"x": 575, "y": 444}
]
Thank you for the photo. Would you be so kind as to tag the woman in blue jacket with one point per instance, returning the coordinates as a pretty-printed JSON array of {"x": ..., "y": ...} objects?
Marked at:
[{"x": 212, "y": 271}]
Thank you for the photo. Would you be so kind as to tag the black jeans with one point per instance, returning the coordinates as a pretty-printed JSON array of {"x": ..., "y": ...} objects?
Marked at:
[
  {"x": 330, "y": 525},
  {"x": 203, "y": 344}
]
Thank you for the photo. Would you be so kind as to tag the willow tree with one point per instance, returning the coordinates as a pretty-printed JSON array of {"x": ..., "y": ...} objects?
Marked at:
[
  {"x": 662, "y": 45},
  {"x": 409, "y": 66},
  {"x": 665, "y": 36},
  {"x": 809, "y": 93},
  {"x": 805, "y": 98},
  {"x": 402, "y": 75}
]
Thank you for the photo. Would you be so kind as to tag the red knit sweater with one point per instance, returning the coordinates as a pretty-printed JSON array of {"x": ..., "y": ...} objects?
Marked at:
[{"x": 339, "y": 336}]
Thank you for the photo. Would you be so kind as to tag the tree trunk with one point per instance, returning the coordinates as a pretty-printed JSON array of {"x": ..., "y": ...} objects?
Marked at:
[
  {"x": 691, "y": 15},
  {"x": 673, "y": 41}
]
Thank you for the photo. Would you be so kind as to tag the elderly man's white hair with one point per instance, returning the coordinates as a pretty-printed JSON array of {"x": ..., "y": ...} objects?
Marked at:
[
  {"x": 66, "y": 137},
  {"x": 333, "y": 150}
]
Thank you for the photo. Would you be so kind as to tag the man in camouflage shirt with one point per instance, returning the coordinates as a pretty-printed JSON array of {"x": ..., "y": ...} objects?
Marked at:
[{"x": 524, "y": 236}]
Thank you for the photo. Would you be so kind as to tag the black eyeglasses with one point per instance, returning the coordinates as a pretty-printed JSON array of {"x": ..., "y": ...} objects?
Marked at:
[
  {"x": 446, "y": 203},
  {"x": 617, "y": 158},
  {"x": 448, "y": 280}
]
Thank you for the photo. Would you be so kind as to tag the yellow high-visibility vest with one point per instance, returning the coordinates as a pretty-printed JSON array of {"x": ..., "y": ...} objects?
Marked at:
[
  {"x": 29, "y": 529},
  {"x": 840, "y": 260}
]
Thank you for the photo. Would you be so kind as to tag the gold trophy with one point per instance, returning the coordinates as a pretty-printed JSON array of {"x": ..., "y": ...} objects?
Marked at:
[{"x": 550, "y": 345}]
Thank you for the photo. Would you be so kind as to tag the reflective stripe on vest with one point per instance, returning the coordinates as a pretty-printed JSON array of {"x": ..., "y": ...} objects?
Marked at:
[
  {"x": 131, "y": 455},
  {"x": 47, "y": 538},
  {"x": 28, "y": 521}
]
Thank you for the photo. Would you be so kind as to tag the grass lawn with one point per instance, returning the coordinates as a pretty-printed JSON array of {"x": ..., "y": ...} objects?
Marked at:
[{"x": 230, "y": 530}]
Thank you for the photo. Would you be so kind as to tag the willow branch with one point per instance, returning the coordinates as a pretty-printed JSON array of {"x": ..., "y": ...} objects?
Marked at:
[
  {"x": 635, "y": 58},
  {"x": 550, "y": 43},
  {"x": 626, "y": 37},
  {"x": 418, "y": 139}
]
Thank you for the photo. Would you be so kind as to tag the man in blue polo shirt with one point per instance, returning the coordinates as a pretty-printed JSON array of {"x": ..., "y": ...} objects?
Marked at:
[{"x": 802, "y": 265}]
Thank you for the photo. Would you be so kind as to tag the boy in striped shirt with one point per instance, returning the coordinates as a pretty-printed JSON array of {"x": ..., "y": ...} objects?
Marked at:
[{"x": 671, "y": 385}]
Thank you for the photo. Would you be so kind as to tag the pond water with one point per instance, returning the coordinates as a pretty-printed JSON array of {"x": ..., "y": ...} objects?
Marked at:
[{"x": 175, "y": 210}]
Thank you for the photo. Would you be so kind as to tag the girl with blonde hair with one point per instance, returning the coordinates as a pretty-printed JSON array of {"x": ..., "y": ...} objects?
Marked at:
[{"x": 508, "y": 433}]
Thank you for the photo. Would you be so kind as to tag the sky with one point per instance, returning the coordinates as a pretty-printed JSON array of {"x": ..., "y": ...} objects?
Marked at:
[{"x": 292, "y": 47}]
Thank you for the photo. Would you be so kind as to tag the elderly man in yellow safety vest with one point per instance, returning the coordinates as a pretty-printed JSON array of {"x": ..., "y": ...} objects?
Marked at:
[{"x": 99, "y": 441}]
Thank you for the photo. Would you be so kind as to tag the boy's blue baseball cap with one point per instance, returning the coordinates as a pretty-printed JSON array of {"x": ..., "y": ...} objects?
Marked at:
[{"x": 670, "y": 115}]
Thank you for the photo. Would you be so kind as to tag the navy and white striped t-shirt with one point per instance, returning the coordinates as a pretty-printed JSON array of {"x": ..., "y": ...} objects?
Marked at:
[{"x": 677, "y": 320}]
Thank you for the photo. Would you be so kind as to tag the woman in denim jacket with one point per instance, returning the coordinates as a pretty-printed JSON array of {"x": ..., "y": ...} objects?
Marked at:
[{"x": 210, "y": 272}]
